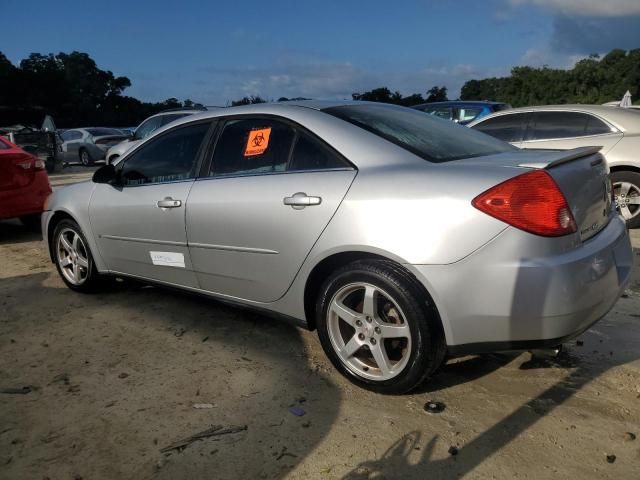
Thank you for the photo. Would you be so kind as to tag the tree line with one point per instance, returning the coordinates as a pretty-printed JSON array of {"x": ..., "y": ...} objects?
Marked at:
[{"x": 72, "y": 89}]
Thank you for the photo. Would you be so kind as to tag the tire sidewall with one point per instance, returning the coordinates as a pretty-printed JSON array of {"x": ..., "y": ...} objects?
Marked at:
[
  {"x": 416, "y": 316},
  {"x": 92, "y": 273}
]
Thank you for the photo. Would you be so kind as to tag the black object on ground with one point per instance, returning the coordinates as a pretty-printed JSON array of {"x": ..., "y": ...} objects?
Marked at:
[
  {"x": 434, "y": 407},
  {"x": 611, "y": 458},
  {"x": 453, "y": 451},
  {"x": 214, "y": 431},
  {"x": 16, "y": 391}
]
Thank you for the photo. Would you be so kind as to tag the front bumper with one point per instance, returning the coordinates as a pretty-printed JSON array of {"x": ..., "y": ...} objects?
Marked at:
[{"x": 498, "y": 299}]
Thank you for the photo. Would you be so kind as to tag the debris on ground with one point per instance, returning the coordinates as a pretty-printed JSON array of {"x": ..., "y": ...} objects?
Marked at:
[
  {"x": 16, "y": 390},
  {"x": 453, "y": 451},
  {"x": 214, "y": 431},
  {"x": 63, "y": 377},
  {"x": 123, "y": 375},
  {"x": 579, "y": 343},
  {"x": 306, "y": 424},
  {"x": 203, "y": 405},
  {"x": 434, "y": 407},
  {"x": 629, "y": 436},
  {"x": 205, "y": 339},
  {"x": 297, "y": 411},
  {"x": 611, "y": 458},
  {"x": 179, "y": 332},
  {"x": 284, "y": 453}
]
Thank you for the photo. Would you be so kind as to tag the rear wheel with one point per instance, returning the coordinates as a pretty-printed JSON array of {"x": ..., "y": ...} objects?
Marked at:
[
  {"x": 85, "y": 158},
  {"x": 377, "y": 328},
  {"x": 626, "y": 188},
  {"x": 73, "y": 258}
]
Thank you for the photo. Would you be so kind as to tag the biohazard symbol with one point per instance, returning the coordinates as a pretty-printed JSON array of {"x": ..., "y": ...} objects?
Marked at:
[{"x": 258, "y": 142}]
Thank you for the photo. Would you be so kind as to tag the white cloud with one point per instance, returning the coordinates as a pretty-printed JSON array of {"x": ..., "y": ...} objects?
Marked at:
[{"x": 596, "y": 8}]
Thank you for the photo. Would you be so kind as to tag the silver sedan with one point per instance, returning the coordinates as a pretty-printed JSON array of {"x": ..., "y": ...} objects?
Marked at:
[{"x": 341, "y": 216}]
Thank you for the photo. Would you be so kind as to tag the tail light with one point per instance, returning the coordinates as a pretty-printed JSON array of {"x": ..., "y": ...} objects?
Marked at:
[
  {"x": 531, "y": 202},
  {"x": 39, "y": 164}
]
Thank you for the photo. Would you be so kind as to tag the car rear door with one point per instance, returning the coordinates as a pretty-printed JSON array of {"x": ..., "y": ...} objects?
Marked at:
[
  {"x": 139, "y": 223},
  {"x": 568, "y": 129},
  {"x": 264, "y": 199}
]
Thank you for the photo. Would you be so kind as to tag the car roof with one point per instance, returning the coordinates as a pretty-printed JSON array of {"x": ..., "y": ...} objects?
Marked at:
[
  {"x": 460, "y": 102},
  {"x": 621, "y": 118}
]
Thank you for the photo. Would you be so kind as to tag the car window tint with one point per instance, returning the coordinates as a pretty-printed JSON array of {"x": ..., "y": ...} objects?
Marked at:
[
  {"x": 507, "y": 128},
  {"x": 66, "y": 135},
  {"x": 595, "y": 126},
  {"x": 147, "y": 128},
  {"x": 430, "y": 138},
  {"x": 252, "y": 146},
  {"x": 549, "y": 125},
  {"x": 168, "y": 158},
  {"x": 309, "y": 154}
]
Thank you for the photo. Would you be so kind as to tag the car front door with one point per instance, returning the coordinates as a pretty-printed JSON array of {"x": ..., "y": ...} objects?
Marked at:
[
  {"x": 566, "y": 129},
  {"x": 265, "y": 198},
  {"x": 139, "y": 223}
]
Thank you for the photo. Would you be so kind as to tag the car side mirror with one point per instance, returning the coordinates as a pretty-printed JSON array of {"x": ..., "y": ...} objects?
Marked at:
[{"x": 105, "y": 174}]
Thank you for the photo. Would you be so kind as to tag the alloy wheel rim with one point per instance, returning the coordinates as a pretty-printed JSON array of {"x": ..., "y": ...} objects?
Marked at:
[
  {"x": 368, "y": 331},
  {"x": 627, "y": 197},
  {"x": 72, "y": 256},
  {"x": 84, "y": 156}
]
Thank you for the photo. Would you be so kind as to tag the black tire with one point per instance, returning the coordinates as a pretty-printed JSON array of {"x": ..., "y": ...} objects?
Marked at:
[
  {"x": 94, "y": 281},
  {"x": 428, "y": 346},
  {"x": 85, "y": 157},
  {"x": 633, "y": 178},
  {"x": 32, "y": 222}
]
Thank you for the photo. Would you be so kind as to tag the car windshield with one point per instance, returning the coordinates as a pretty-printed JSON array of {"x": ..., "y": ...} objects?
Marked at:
[
  {"x": 428, "y": 137},
  {"x": 101, "y": 132}
]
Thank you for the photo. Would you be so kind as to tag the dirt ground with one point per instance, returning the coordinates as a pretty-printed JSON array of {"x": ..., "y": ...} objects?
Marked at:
[{"x": 114, "y": 378}]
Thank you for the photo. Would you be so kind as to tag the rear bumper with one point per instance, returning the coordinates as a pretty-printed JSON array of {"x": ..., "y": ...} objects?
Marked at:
[
  {"x": 497, "y": 300},
  {"x": 28, "y": 200}
]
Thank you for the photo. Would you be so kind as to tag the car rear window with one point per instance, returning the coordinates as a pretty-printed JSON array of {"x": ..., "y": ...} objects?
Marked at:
[
  {"x": 428, "y": 137},
  {"x": 100, "y": 132}
]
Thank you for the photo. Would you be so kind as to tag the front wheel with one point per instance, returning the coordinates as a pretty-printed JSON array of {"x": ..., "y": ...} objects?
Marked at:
[
  {"x": 73, "y": 258},
  {"x": 377, "y": 328},
  {"x": 626, "y": 188}
]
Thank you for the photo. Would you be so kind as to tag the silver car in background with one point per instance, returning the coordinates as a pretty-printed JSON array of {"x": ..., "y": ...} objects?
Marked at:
[
  {"x": 616, "y": 130},
  {"x": 145, "y": 129},
  {"x": 341, "y": 216},
  {"x": 87, "y": 145}
]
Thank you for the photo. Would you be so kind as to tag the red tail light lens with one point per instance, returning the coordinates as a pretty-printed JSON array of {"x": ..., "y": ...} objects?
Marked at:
[{"x": 531, "y": 202}]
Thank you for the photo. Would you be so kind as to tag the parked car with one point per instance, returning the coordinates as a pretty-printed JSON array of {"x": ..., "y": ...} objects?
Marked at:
[
  {"x": 87, "y": 145},
  {"x": 341, "y": 215},
  {"x": 44, "y": 142},
  {"x": 616, "y": 130},
  {"x": 24, "y": 184},
  {"x": 145, "y": 129},
  {"x": 462, "y": 111}
]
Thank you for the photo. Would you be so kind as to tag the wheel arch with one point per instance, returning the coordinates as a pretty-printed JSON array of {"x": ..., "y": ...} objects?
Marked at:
[
  {"x": 56, "y": 218},
  {"x": 624, "y": 168},
  {"x": 331, "y": 263}
]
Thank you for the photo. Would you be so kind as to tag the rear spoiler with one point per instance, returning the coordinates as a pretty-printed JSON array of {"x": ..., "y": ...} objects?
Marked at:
[{"x": 565, "y": 156}]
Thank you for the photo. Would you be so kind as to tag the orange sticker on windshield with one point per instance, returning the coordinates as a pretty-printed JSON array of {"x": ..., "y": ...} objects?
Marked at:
[{"x": 257, "y": 142}]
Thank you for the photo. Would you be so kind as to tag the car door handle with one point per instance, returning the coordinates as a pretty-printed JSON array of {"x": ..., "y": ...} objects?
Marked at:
[
  {"x": 169, "y": 202},
  {"x": 300, "y": 200}
]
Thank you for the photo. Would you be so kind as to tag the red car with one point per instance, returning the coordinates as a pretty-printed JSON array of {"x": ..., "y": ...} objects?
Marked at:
[{"x": 24, "y": 184}]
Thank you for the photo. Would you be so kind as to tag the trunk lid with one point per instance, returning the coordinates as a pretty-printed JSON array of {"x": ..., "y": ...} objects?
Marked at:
[{"x": 581, "y": 173}]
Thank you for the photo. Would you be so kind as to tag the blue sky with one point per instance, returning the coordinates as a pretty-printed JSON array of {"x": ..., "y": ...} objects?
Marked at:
[{"x": 214, "y": 52}]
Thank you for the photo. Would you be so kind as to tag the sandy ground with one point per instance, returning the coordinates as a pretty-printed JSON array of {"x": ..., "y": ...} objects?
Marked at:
[{"x": 115, "y": 377}]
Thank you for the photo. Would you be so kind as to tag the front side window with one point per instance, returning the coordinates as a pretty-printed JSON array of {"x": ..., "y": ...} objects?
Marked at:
[
  {"x": 440, "y": 112},
  {"x": 552, "y": 125},
  {"x": 508, "y": 128},
  {"x": 147, "y": 128},
  {"x": 169, "y": 158},
  {"x": 430, "y": 138},
  {"x": 252, "y": 146}
]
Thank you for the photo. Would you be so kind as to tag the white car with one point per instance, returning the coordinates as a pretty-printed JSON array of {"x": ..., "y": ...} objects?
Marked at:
[
  {"x": 145, "y": 129},
  {"x": 616, "y": 130}
]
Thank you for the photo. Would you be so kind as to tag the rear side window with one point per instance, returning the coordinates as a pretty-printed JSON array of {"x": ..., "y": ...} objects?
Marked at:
[
  {"x": 440, "y": 112},
  {"x": 103, "y": 132},
  {"x": 147, "y": 128},
  {"x": 430, "y": 138},
  {"x": 551, "y": 125},
  {"x": 169, "y": 158},
  {"x": 171, "y": 117},
  {"x": 71, "y": 135},
  {"x": 310, "y": 154},
  {"x": 252, "y": 146},
  {"x": 508, "y": 128},
  {"x": 468, "y": 113}
]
